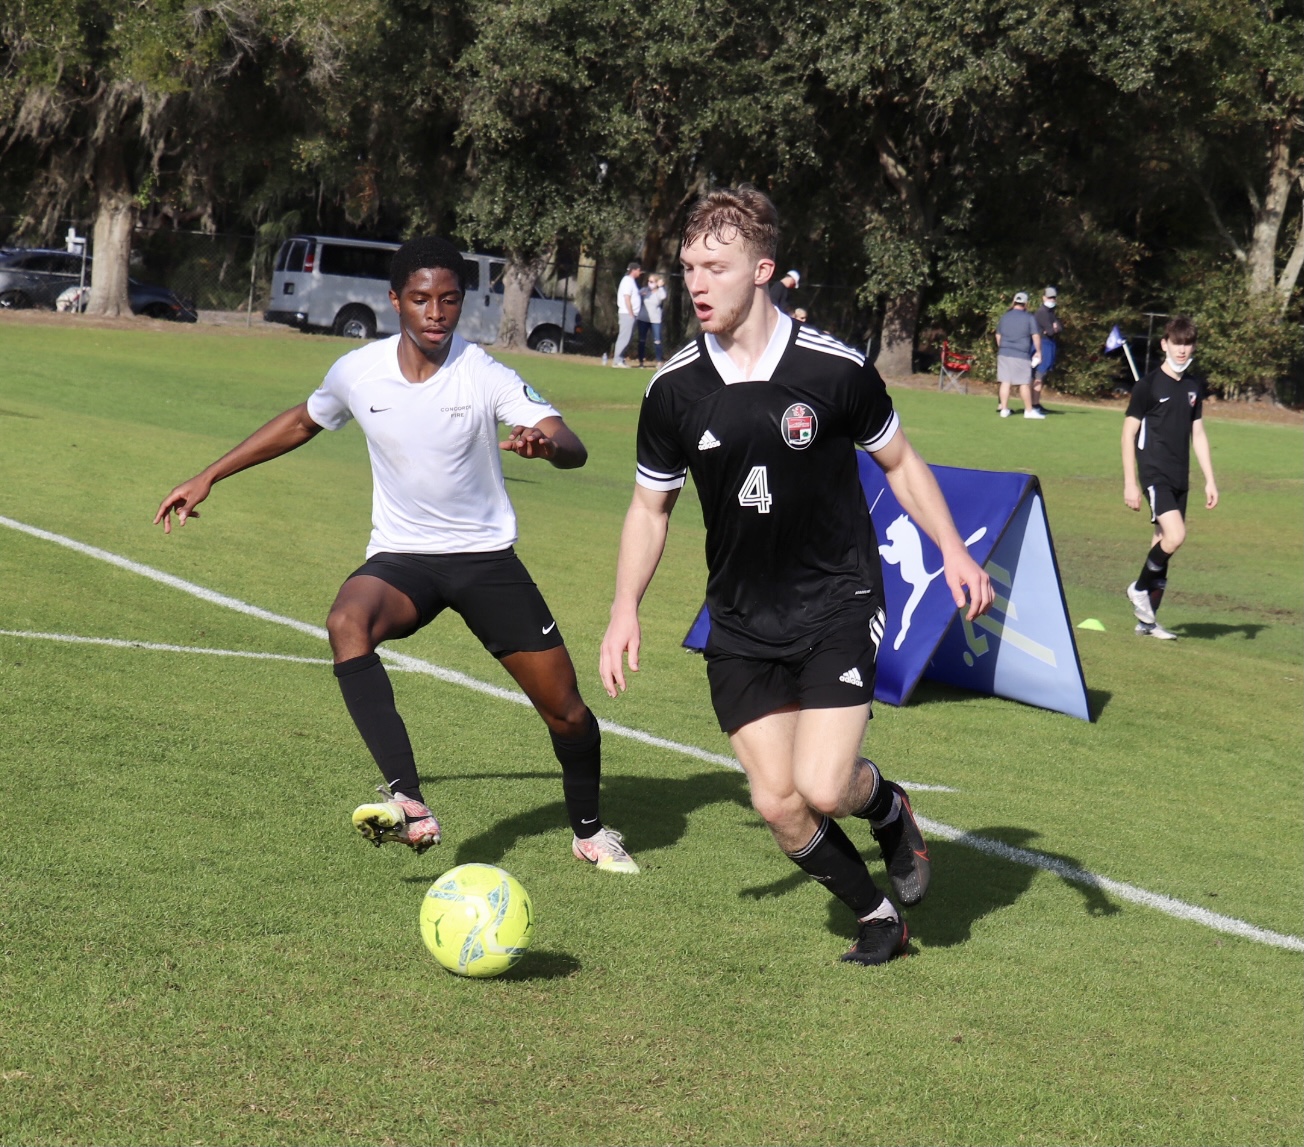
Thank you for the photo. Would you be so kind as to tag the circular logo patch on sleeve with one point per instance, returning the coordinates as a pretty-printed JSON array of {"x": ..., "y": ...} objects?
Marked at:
[
  {"x": 799, "y": 425},
  {"x": 534, "y": 396}
]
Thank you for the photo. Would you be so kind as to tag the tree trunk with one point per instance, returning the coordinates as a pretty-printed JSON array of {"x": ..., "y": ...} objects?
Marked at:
[
  {"x": 1269, "y": 214},
  {"x": 115, "y": 219},
  {"x": 519, "y": 278},
  {"x": 896, "y": 355}
]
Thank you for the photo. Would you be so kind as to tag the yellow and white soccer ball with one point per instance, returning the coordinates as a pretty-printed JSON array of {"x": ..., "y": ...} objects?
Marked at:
[{"x": 477, "y": 920}]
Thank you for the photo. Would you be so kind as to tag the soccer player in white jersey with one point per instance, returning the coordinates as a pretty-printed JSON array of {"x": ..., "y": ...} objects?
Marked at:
[
  {"x": 766, "y": 414},
  {"x": 443, "y": 528}
]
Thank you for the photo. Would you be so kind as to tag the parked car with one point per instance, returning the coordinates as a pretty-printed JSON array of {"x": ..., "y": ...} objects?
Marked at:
[
  {"x": 320, "y": 283},
  {"x": 35, "y": 277}
]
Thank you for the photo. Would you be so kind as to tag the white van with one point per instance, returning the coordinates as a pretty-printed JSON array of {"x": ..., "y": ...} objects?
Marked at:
[{"x": 342, "y": 286}]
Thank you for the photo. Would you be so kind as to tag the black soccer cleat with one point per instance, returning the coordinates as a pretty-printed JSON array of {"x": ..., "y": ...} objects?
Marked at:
[
  {"x": 904, "y": 851},
  {"x": 879, "y": 941}
]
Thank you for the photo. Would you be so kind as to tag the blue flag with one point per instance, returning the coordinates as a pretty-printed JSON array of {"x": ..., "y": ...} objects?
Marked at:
[{"x": 1115, "y": 340}]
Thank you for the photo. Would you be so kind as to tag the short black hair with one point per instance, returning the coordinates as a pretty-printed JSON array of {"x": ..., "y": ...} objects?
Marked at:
[{"x": 422, "y": 253}]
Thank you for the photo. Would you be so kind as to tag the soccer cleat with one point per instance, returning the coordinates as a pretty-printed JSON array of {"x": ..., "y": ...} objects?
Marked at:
[
  {"x": 1002, "y": 413},
  {"x": 399, "y": 819},
  {"x": 1140, "y": 599},
  {"x": 1034, "y": 412},
  {"x": 1155, "y": 630},
  {"x": 879, "y": 941},
  {"x": 904, "y": 851},
  {"x": 606, "y": 849}
]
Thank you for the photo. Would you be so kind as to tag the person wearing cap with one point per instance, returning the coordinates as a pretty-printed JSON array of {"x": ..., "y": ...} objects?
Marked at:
[
  {"x": 1048, "y": 323},
  {"x": 1018, "y": 353},
  {"x": 779, "y": 291}
]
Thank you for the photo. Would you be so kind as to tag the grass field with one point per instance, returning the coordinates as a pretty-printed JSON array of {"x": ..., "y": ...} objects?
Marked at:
[{"x": 195, "y": 947}]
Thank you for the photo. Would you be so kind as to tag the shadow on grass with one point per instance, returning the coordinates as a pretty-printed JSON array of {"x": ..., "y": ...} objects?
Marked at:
[
  {"x": 654, "y": 811},
  {"x": 1211, "y": 631},
  {"x": 935, "y": 692},
  {"x": 541, "y": 964},
  {"x": 968, "y": 885}
]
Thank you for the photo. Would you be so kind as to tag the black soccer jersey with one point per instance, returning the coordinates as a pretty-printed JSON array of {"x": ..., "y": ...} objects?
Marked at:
[
  {"x": 1166, "y": 407},
  {"x": 790, "y": 549}
]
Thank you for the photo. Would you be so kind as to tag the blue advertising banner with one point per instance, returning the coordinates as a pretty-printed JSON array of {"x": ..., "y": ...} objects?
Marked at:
[{"x": 1023, "y": 648}]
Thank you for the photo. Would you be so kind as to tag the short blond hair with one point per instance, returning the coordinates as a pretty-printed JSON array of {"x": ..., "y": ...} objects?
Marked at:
[{"x": 728, "y": 213}]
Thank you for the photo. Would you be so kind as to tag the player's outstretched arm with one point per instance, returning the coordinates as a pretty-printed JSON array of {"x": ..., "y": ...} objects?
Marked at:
[
  {"x": 1131, "y": 489},
  {"x": 551, "y": 439},
  {"x": 282, "y": 434},
  {"x": 642, "y": 542},
  {"x": 1200, "y": 444},
  {"x": 921, "y": 497}
]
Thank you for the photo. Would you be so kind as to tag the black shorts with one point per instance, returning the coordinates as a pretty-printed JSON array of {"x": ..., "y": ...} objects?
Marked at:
[
  {"x": 493, "y": 592},
  {"x": 836, "y": 672},
  {"x": 1163, "y": 498}
]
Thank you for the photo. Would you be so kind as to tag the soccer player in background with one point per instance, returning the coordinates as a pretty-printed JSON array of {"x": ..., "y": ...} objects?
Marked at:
[
  {"x": 766, "y": 414},
  {"x": 443, "y": 529},
  {"x": 1164, "y": 422}
]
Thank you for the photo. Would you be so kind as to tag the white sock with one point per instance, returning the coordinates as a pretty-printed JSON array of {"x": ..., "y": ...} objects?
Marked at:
[{"x": 885, "y": 911}]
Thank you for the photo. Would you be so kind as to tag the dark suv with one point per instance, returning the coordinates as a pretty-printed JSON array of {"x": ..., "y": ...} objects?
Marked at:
[{"x": 33, "y": 277}]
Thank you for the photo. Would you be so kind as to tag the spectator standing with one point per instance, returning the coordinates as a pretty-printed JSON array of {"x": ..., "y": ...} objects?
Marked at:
[
  {"x": 1018, "y": 352},
  {"x": 779, "y": 291},
  {"x": 1049, "y": 324},
  {"x": 653, "y": 298},
  {"x": 627, "y": 300}
]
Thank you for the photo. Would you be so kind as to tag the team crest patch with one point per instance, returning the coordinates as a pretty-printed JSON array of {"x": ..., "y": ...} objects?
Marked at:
[
  {"x": 1190, "y": 394},
  {"x": 533, "y": 395},
  {"x": 799, "y": 425}
]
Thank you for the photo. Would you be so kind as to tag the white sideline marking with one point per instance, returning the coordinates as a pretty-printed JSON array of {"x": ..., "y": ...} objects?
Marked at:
[
  {"x": 116, "y": 643},
  {"x": 1166, "y": 904}
]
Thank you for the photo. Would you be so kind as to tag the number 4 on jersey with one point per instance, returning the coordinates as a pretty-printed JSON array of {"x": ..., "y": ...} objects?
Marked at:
[{"x": 756, "y": 491}]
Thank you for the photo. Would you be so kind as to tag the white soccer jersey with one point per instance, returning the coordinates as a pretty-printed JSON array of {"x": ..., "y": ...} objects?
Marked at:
[{"x": 437, "y": 477}]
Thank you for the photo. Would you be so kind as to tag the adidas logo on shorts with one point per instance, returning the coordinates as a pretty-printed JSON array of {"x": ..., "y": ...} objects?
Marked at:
[
  {"x": 852, "y": 677},
  {"x": 708, "y": 441}
]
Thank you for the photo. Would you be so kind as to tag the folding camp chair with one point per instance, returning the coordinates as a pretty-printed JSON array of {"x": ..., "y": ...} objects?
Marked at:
[{"x": 953, "y": 372}]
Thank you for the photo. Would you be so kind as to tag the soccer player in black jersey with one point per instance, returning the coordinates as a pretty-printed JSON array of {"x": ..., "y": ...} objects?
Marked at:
[
  {"x": 1164, "y": 422},
  {"x": 766, "y": 414}
]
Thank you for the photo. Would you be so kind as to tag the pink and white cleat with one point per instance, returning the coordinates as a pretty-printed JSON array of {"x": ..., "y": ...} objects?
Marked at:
[
  {"x": 400, "y": 819},
  {"x": 606, "y": 850}
]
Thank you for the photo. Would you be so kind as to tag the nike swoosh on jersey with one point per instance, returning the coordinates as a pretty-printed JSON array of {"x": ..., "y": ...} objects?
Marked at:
[
  {"x": 380, "y": 409},
  {"x": 549, "y": 628},
  {"x": 1163, "y": 400}
]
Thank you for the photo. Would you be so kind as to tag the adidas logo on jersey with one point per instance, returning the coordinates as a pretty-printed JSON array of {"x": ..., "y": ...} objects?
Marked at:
[
  {"x": 852, "y": 677},
  {"x": 708, "y": 441}
]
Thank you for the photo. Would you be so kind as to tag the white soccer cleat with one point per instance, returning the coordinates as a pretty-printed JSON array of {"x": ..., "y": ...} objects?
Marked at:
[
  {"x": 1034, "y": 413},
  {"x": 1156, "y": 630},
  {"x": 1140, "y": 599},
  {"x": 606, "y": 850},
  {"x": 399, "y": 819}
]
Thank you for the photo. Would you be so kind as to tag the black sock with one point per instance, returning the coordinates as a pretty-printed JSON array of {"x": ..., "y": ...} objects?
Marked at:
[
  {"x": 832, "y": 859},
  {"x": 581, "y": 775},
  {"x": 1154, "y": 575},
  {"x": 879, "y": 805},
  {"x": 370, "y": 701}
]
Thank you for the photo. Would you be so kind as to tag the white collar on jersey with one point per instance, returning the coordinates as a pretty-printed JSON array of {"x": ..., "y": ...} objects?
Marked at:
[
  {"x": 764, "y": 369},
  {"x": 455, "y": 352}
]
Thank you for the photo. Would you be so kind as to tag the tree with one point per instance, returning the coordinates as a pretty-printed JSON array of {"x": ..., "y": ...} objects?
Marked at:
[
  {"x": 121, "y": 105},
  {"x": 534, "y": 77}
]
